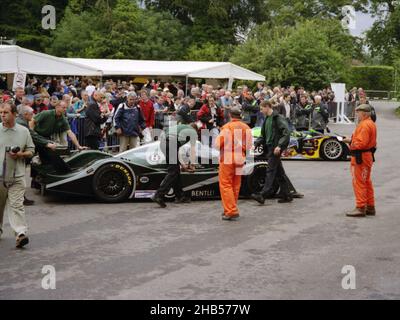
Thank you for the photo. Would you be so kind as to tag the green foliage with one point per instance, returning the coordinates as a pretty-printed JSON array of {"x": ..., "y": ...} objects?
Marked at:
[
  {"x": 398, "y": 112},
  {"x": 300, "y": 55},
  {"x": 120, "y": 32},
  {"x": 372, "y": 77},
  {"x": 215, "y": 21},
  {"x": 22, "y": 20},
  {"x": 208, "y": 52}
]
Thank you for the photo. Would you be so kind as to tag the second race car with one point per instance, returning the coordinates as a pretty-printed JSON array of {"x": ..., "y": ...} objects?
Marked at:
[{"x": 313, "y": 145}]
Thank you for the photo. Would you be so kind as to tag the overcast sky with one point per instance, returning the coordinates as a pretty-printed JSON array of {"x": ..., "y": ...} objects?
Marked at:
[{"x": 363, "y": 23}]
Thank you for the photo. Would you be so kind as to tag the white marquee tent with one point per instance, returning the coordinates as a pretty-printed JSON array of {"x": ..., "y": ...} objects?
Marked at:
[
  {"x": 14, "y": 59},
  {"x": 190, "y": 69}
]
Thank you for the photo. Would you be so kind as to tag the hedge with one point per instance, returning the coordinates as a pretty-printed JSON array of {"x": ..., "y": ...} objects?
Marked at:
[{"x": 372, "y": 77}]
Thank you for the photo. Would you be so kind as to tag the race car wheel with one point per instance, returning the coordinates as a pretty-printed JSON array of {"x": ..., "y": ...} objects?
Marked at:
[
  {"x": 112, "y": 183},
  {"x": 332, "y": 150},
  {"x": 256, "y": 180}
]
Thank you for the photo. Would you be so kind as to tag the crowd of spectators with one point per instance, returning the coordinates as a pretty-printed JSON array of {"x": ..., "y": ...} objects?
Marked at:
[{"x": 120, "y": 112}]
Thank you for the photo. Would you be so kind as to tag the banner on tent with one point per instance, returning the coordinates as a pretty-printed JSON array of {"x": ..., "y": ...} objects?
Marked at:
[{"x": 19, "y": 80}]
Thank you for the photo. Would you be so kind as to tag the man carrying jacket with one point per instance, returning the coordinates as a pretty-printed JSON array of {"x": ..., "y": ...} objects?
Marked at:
[
  {"x": 129, "y": 123},
  {"x": 275, "y": 137},
  {"x": 302, "y": 114},
  {"x": 363, "y": 147},
  {"x": 320, "y": 115},
  {"x": 234, "y": 141}
]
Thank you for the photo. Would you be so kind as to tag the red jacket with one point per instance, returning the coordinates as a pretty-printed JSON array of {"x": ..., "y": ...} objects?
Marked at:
[
  {"x": 204, "y": 115},
  {"x": 148, "y": 112}
]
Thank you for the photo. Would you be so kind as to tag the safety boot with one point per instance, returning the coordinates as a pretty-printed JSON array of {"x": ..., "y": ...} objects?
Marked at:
[
  {"x": 370, "y": 211},
  {"x": 356, "y": 213}
]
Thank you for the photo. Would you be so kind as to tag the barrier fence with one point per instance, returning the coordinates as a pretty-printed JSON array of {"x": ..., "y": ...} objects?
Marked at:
[{"x": 111, "y": 141}]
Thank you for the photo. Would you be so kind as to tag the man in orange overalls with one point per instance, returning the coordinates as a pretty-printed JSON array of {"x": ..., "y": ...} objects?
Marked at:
[
  {"x": 363, "y": 147},
  {"x": 234, "y": 141}
]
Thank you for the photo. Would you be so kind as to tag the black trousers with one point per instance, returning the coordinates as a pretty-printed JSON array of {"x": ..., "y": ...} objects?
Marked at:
[
  {"x": 48, "y": 156},
  {"x": 275, "y": 174},
  {"x": 92, "y": 142},
  {"x": 173, "y": 177},
  {"x": 276, "y": 187}
]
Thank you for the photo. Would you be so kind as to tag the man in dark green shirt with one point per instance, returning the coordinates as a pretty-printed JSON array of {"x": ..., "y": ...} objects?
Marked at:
[
  {"x": 175, "y": 138},
  {"x": 275, "y": 137},
  {"x": 48, "y": 123}
]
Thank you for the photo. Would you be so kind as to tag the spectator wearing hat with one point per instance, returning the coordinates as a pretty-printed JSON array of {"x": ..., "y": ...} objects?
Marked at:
[
  {"x": 38, "y": 105},
  {"x": 362, "y": 147},
  {"x": 234, "y": 142},
  {"x": 53, "y": 102}
]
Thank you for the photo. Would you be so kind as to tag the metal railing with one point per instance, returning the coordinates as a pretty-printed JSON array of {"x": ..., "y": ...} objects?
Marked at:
[{"x": 381, "y": 95}]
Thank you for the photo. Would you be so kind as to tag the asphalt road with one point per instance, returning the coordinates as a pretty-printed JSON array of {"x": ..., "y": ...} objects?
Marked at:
[{"x": 295, "y": 251}]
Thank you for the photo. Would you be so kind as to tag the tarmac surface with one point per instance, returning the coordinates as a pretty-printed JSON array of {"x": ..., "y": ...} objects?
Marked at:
[{"x": 293, "y": 251}]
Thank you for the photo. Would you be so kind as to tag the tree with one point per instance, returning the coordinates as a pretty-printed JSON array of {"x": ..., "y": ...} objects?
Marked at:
[
  {"x": 118, "y": 30},
  {"x": 216, "y": 21},
  {"x": 300, "y": 55},
  {"x": 208, "y": 52},
  {"x": 384, "y": 36},
  {"x": 22, "y": 21}
]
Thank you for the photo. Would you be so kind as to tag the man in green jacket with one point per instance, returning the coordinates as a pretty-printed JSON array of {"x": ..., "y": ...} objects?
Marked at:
[{"x": 275, "y": 137}]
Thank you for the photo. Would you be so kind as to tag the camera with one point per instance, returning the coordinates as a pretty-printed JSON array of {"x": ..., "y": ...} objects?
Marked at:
[{"x": 14, "y": 149}]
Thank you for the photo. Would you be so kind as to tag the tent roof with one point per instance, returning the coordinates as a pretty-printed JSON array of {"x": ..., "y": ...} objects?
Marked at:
[
  {"x": 16, "y": 59},
  {"x": 191, "y": 69}
]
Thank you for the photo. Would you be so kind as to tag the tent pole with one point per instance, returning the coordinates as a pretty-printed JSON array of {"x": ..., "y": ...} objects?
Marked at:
[
  {"x": 230, "y": 84},
  {"x": 187, "y": 85}
]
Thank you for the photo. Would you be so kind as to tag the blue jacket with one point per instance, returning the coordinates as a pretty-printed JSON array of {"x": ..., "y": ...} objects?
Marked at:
[{"x": 130, "y": 120}]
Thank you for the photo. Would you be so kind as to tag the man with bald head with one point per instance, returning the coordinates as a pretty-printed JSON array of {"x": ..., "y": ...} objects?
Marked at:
[{"x": 48, "y": 123}]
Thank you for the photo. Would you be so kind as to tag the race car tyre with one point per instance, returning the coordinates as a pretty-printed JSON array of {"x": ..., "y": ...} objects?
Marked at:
[
  {"x": 256, "y": 180},
  {"x": 112, "y": 183},
  {"x": 332, "y": 150}
]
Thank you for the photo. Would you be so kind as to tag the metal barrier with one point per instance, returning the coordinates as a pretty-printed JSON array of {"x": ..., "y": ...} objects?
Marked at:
[
  {"x": 77, "y": 124},
  {"x": 381, "y": 95}
]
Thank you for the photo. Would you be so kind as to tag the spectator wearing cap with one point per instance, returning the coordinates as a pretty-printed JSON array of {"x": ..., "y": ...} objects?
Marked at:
[
  {"x": 38, "y": 105},
  {"x": 129, "y": 122},
  {"x": 234, "y": 142},
  {"x": 363, "y": 145},
  {"x": 53, "y": 102}
]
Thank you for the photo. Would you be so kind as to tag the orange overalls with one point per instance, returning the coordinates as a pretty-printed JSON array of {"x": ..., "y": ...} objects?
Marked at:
[
  {"x": 364, "y": 138},
  {"x": 233, "y": 142}
]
